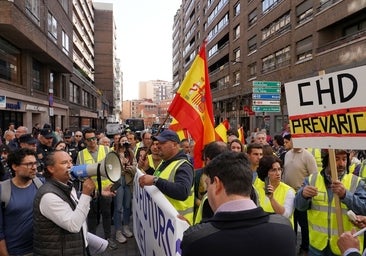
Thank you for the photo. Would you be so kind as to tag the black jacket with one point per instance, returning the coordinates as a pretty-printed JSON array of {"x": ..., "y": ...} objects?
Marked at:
[
  {"x": 249, "y": 232},
  {"x": 180, "y": 189}
]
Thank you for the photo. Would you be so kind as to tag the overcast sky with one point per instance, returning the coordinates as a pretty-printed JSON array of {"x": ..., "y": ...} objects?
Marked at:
[{"x": 144, "y": 40}]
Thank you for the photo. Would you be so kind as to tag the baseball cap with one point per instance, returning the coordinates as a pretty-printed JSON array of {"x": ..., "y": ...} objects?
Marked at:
[
  {"x": 167, "y": 135},
  {"x": 27, "y": 138},
  {"x": 68, "y": 134},
  {"x": 47, "y": 133}
]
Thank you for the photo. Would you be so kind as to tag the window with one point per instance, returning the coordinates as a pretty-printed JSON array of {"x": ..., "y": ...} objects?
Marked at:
[
  {"x": 282, "y": 56},
  {"x": 252, "y": 44},
  {"x": 276, "y": 60},
  {"x": 74, "y": 93},
  {"x": 277, "y": 27},
  {"x": 219, "y": 26},
  {"x": 65, "y": 42},
  {"x": 304, "y": 11},
  {"x": 237, "y": 32},
  {"x": 269, "y": 4},
  {"x": 236, "y": 78},
  {"x": 55, "y": 83},
  {"x": 237, "y": 9},
  {"x": 252, "y": 69},
  {"x": 252, "y": 17},
  {"x": 84, "y": 98},
  {"x": 222, "y": 83},
  {"x": 216, "y": 10},
  {"x": 63, "y": 87},
  {"x": 304, "y": 49},
  {"x": 37, "y": 82},
  {"x": 65, "y": 5},
  {"x": 52, "y": 82},
  {"x": 32, "y": 8},
  {"x": 9, "y": 58},
  {"x": 354, "y": 28},
  {"x": 52, "y": 27},
  {"x": 237, "y": 55}
]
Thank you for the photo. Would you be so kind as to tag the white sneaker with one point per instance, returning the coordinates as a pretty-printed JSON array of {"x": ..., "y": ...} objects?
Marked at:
[
  {"x": 120, "y": 238},
  {"x": 126, "y": 231}
]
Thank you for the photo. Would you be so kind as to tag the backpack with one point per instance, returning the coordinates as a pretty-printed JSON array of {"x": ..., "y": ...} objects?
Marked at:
[{"x": 5, "y": 190}]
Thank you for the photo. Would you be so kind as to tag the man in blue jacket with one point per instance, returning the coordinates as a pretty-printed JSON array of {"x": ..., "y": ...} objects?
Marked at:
[{"x": 174, "y": 176}]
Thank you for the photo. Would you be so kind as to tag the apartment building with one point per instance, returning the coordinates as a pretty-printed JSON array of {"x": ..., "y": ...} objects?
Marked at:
[
  {"x": 35, "y": 61},
  {"x": 157, "y": 90},
  {"x": 48, "y": 54},
  {"x": 266, "y": 40}
]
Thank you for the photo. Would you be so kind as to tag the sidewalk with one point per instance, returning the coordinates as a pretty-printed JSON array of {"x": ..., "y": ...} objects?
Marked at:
[{"x": 127, "y": 249}]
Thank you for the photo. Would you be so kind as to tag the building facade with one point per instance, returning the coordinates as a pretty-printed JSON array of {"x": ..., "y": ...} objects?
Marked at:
[
  {"x": 48, "y": 56},
  {"x": 266, "y": 40},
  {"x": 156, "y": 90},
  {"x": 35, "y": 62}
]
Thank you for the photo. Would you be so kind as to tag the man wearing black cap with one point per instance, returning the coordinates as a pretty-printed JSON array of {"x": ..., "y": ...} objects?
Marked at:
[
  {"x": 45, "y": 140},
  {"x": 174, "y": 176},
  {"x": 28, "y": 141},
  {"x": 14, "y": 144}
]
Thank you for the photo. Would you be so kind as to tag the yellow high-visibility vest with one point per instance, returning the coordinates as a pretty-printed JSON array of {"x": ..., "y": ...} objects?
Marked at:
[
  {"x": 86, "y": 158},
  {"x": 185, "y": 208},
  {"x": 321, "y": 213}
]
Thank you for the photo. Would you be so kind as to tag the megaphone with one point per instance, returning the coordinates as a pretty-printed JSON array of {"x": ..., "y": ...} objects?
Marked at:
[{"x": 110, "y": 168}]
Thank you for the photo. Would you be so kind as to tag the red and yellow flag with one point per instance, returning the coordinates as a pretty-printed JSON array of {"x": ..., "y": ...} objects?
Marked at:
[
  {"x": 241, "y": 135},
  {"x": 175, "y": 126},
  {"x": 221, "y": 130},
  {"x": 192, "y": 105}
]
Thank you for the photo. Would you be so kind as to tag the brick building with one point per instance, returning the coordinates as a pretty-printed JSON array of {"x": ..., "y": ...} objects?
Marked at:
[{"x": 266, "y": 40}]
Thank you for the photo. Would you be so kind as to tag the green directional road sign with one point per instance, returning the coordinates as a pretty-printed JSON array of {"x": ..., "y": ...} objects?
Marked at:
[
  {"x": 266, "y": 90},
  {"x": 266, "y": 108},
  {"x": 266, "y": 84}
]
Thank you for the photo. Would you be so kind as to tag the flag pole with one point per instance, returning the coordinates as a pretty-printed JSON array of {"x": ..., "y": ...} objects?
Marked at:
[{"x": 162, "y": 124}]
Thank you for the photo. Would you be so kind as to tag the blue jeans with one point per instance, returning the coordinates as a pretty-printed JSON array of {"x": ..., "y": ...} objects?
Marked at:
[{"x": 122, "y": 205}]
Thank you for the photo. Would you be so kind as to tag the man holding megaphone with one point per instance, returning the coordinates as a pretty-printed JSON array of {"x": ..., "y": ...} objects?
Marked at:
[{"x": 91, "y": 156}]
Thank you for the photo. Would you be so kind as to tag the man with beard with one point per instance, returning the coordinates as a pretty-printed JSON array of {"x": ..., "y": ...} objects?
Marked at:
[
  {"x": 316, "y": 196},
  {"x": 17, "y": 194}
]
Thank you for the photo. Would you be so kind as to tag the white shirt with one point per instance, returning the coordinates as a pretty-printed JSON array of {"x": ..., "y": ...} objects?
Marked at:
[{"x": 56, "y": 209}]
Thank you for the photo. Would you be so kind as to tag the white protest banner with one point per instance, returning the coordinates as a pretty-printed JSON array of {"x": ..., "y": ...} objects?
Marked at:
[
  {"x": 329, "y": 111},
  {"x": 157, "y": 229}
]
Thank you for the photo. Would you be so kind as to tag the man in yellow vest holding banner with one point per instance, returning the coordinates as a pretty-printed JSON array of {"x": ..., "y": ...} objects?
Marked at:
[
  {"x": 174, "y": 176},
  {"x": 316, "y": 197}
]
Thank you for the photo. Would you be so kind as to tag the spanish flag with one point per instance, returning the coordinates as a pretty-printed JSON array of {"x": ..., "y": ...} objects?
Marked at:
[
  {"x": 241, "y": 135},
  {"x": 221, "y": 131},
  {"x": 192, "y": 105},
  {"x": 181, "y": 132}
]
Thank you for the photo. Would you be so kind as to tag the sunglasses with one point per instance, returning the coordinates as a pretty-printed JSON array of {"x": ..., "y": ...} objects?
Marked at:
[{"x": 91, "y": 139}]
